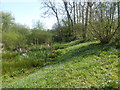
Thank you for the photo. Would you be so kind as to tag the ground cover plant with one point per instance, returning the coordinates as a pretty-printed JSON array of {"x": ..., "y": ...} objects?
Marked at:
[{"x": 96, "y": 67}]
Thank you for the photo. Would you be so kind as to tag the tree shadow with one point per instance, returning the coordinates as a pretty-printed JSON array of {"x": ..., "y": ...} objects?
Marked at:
[{"x": 83, "y": 52}]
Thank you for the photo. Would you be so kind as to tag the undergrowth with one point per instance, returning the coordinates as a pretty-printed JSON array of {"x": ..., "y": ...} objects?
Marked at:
[{"x": 73, "y": 65}]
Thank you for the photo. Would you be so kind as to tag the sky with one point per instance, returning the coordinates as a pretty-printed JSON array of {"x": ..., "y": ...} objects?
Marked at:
[{"x": 26, "y": 12}]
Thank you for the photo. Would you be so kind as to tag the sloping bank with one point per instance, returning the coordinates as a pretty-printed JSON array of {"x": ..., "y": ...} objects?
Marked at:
[{"x": 80, "y": 66}]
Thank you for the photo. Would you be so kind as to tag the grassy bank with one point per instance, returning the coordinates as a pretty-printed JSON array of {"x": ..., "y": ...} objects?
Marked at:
[{"x": 74, "y": 65}]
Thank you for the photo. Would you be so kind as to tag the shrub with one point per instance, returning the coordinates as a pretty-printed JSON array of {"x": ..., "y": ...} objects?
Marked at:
[
  {"x": 12, "y": 39},
  {"x": 39, "y": 37},
  {"x": 9, "y": 55}
]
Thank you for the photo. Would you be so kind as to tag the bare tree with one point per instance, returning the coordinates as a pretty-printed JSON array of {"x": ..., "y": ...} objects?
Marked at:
[
  {"x": 51, "y": 5},
  {"x": 86, "y": 23},
  {"x": 90, "y": 4},
  {"x": 119, "y": 15},
  {"x": 74, "y": 13},
  {"x": 104, "y": 25},
  {"x": 70, "y": 21}
]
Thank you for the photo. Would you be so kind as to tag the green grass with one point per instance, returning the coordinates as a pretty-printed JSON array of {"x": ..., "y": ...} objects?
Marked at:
[
  {"x": 76, "y": 65},
  {"x": 15, "y": 64}
]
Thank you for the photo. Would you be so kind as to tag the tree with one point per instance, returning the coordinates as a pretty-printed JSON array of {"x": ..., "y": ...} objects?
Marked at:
[
  {"x": 54, "y": 10},
  {"x": 104, "y": 25},
  {"x": 118, "y": 15},
  {"x": 37, "y": 25},
  {"x": 86, "y": 22},
  {"x": 70, "y": 21},
  {"x": 7, "y": 20},
  {"x": 39, "y": 37},
  {"x": 117, "y": 37},
  {"x": 51, "y": 5},
  {"x": 13, "y": 39},
  {"x": 90, "y": 4}
]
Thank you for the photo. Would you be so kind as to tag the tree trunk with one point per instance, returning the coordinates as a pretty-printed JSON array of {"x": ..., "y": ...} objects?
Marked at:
[
  {"x": 74, "y": 12},
  {"x": 119, "y": 16},
  {"x": 70, "y": 21},
  {"x": 86, "y": 23},
  {"x": 83, "y": 21},
  {"x": 79, "y": 12},
  {"x": 91, "y": 11}
]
